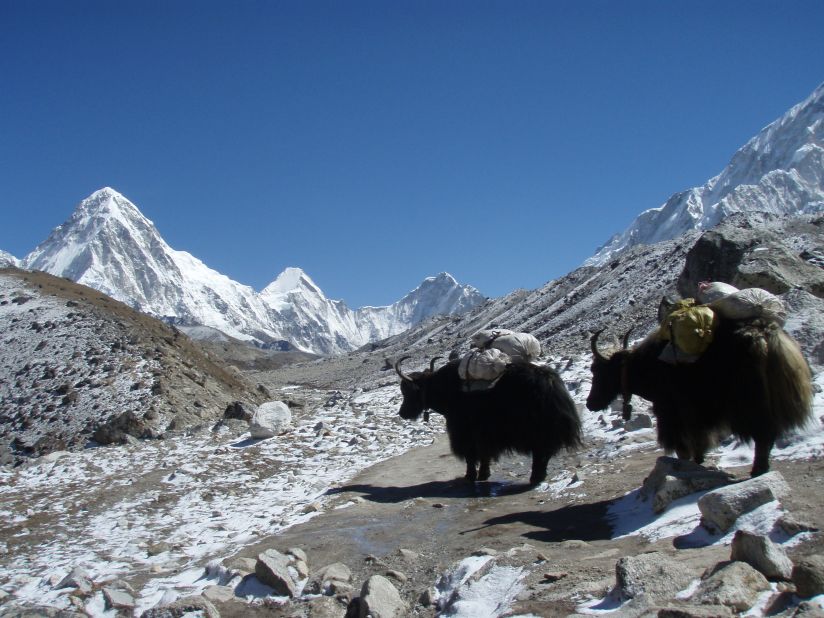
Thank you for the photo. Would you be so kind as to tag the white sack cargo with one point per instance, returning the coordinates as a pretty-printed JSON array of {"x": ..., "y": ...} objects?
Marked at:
[
  {"x": 751, "y": 303},
  {"x": 483, "y": 365},
  {"x": 520, "y": 347},
  {"x": 709, "y": 291}
]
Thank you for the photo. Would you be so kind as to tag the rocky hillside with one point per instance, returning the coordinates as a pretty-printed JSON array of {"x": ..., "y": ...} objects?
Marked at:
[
  {"x": 78, "y": 367},
  {"x": 781, "y": 254}
]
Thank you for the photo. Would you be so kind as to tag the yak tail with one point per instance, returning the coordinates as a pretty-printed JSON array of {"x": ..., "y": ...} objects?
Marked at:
[
  {"x": 789, "y": 381},
  {"x": 567, "y": 420}
]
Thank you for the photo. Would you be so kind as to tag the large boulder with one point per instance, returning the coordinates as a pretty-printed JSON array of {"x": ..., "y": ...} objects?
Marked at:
[
  {"x": 720, "y": 508},
  {"x": 655, "y": 575},
  {"x": 762, "y": 554},
  {"x": 734, "y": 584},
  {"x": 748, "y": 258},
  {"x": 270, "y": 419},
  {"x": 808, "y": 576},
  {"x": 380, "y": 599},
  {"x": 272, "y": 569},
  {"x": 675, "y": 478}
]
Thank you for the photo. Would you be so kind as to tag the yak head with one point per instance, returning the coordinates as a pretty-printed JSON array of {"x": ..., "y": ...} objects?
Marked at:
[
  {"x": 607, "y": 375},
  {"x": 415, "y": 390}
]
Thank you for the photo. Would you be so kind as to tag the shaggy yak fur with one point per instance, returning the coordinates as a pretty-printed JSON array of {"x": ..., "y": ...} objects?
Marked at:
[
  {"x": 527, "y": 411},
  {"x": 752, "y": 382}
]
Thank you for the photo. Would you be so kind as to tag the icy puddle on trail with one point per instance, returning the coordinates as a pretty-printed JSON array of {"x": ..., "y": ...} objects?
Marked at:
[{"x": 159, "y": 510}]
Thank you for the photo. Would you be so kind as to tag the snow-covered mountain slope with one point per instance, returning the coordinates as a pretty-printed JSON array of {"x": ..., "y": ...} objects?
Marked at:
[
  {"x": 109, "y": 245},
  {"x": 7, "y": 259},
  {"x": 779, "y": 171}
]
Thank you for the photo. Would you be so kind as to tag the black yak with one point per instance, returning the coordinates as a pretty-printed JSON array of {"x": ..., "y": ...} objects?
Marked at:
[
  {"x": 527, "y": 411},
  {"x": 752, "y": 381}
]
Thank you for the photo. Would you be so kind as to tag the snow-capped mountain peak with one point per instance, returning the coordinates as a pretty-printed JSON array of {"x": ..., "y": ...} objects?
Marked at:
[
  {"x": 7, "y": 259},
  {"x": 290, "y": 280},
  {"x": 108, "y": 244},
  {"x": 779, "y": 171}
]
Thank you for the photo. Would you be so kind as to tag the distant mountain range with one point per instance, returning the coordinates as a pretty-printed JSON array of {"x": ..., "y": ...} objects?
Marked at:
[
  {"x": 109, "y": 245},
  {"x": 779, "y": 171}
]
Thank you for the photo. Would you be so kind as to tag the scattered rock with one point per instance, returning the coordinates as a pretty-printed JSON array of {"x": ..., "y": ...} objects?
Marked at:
[
  {"x": 78, "y": 578},
  {"x": 219, "y": 594},
  {"x": 239, "y": 411},
  {"x": 324, "y": 580},
  {"x": 158, "y": 548},
  {"x": 655, "y": 574},
  {"x": 696, "y": 611},
  {"x": 761, "y": 554},
  {"x": 326, "y": 607},
  {"x": 118, "y": 599},
  {"x": 721, "y": 507},
  {"x": 638, "y": 421},
  {"x": 272, "y": 569},
  {"x": 675, "y": 478},
  {"x": 397, "y": 575},
  {"x": 270, "y": 419},
  {"x": 380, "y": 599},
  {"x": 733, "y": 584},
  {"x": 408, "y": 555},
  {"x": 808, "y": 576},
  {"x": 187, "y": 606}
]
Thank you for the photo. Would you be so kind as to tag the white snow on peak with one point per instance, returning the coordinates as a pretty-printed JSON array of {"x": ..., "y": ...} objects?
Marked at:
[
  {"x": 7, "y": 260},
  {"x": 109, "y": 245},
  {"x": 779, "y": 171},
  {"x": 289, "y": 280}
]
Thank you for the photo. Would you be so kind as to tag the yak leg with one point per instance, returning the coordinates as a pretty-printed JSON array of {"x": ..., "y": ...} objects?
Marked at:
[
  {"x": 539, "y": 463},
  {"x": 483, "y": 472},
  {"x": 471, "y": 472},
  {"x": 761, "y": 462}
]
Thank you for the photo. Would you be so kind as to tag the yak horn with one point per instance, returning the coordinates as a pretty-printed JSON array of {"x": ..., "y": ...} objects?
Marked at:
[
  {"x": 398, "y": 368},
  {"x": 593, "y": 343},
  {"x": 626, "y": 338},
  {"x": 432, "y": 363}
]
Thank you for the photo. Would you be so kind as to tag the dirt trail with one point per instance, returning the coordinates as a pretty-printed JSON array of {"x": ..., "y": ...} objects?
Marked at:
[{"x": 415, "y": 502}]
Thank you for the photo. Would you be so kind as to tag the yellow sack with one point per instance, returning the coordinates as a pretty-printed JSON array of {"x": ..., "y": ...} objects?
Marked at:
[{"x": 691, "y": 328}]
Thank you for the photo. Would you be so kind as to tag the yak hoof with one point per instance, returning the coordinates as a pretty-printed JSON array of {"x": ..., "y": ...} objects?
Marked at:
[
  {"x": 536, "y": 480},
  {"x": 484, "y": 476}
]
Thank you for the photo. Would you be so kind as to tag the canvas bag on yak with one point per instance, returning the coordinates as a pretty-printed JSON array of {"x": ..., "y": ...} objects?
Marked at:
[
  {"x": 520, "y": 347},
  {"x": 493, "y": 351},
  {"x": 689, "y": 328}
]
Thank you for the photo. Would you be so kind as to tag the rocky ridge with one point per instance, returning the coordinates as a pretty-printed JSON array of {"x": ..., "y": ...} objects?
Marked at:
[{"x": 79, "y": 367}]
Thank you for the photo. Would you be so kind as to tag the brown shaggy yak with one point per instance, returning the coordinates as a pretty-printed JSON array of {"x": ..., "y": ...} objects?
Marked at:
[{"x": 752, "y": 382}]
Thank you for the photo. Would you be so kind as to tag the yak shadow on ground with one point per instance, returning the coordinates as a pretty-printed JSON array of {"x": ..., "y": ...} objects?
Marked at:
[
  {"x": 457, "y": 488},
  {"x": 582, "y": 522}
]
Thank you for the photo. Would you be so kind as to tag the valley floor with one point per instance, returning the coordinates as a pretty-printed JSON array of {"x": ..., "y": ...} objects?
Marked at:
[{"x": 352, "y": 483}]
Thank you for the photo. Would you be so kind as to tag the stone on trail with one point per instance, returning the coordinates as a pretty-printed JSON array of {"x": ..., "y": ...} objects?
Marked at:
[
  {"x": 762, "y": 554},
  {"x": 656, "y": 575},
  {"x": 323, "y": 581},
  {"x": 78, "y": 578},
  {"x": 808, "y": 576},
  {"x": 118, "y": 599},
  {"x": 720, "y": 508},
  {"x": 187, "y": 606},
  {"x": 270, "y": 419},
  {"x": 380, "y": 599},
  {"x": 734, "y": 584},
  {"x": 272, "y": 569},
  {"x": 672, "y": 479}
]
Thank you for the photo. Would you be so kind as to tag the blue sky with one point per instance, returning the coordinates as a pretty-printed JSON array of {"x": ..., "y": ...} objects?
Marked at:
[{"x": 374, "y": 143}]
